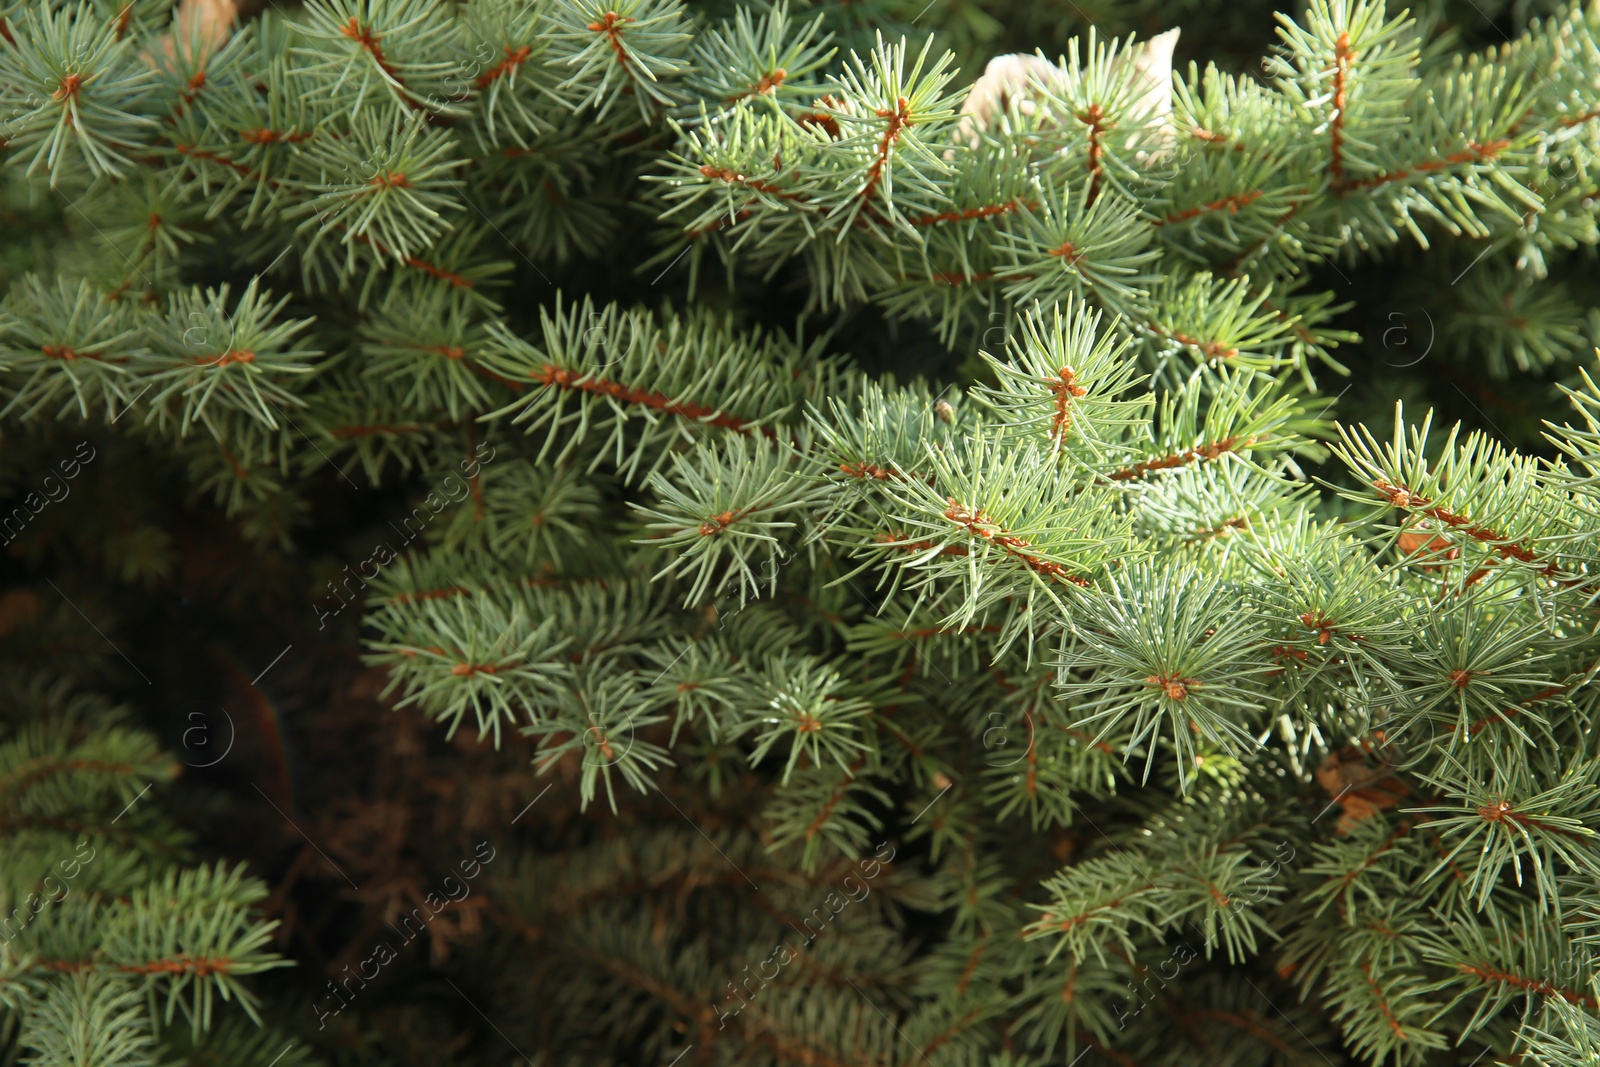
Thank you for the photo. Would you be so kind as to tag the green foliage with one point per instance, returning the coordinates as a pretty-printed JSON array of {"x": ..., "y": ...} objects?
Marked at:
[
  {"x": 107, "y": 941},
  {"x": 1111, "y": 638}
]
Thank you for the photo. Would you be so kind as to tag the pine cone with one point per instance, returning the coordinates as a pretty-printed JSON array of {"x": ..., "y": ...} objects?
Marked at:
[{"x": 1028, "y": 78}]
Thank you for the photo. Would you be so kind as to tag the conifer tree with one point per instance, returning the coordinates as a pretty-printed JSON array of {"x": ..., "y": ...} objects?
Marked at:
[
  {"x": 1040, "y": 656},
  {"x": 112, "y": 949}
]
